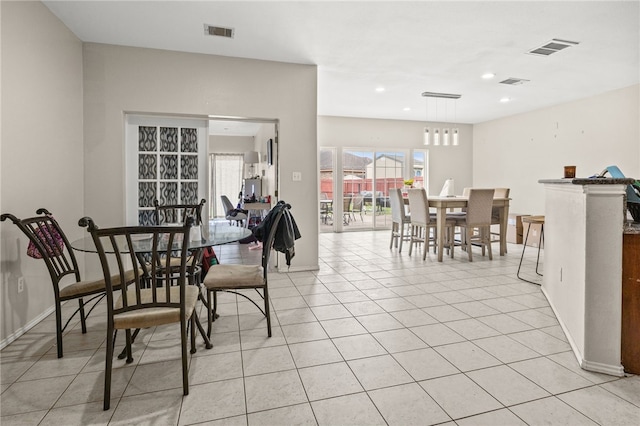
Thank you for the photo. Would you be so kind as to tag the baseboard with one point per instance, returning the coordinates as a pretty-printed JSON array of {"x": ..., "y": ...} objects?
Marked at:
[
  {"x": 285, "y": 268},
  {"x": 596, "y": 367},
  {"x": 28, "y": 326}
]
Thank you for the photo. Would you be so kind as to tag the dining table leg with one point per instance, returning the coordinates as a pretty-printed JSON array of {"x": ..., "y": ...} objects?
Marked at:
[{"x": 441, "y": 218}]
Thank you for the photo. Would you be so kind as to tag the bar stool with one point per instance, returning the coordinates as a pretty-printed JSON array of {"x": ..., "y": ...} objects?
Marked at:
[{"x": 532, "y": 220}]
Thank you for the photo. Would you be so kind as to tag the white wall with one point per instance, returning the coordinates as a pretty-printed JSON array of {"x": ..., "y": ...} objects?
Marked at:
[
  {"x": 42, "y": 149},
  {"x": 230, "y": 144},
  {"x": 444, "y": 161},
  {"x": 119, "y": 79},
  {"x": 266, "y": 172},
  {"x": 590, "y": 133}
]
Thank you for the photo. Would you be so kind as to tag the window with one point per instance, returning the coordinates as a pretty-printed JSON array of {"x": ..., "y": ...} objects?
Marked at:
[
  {"x": 226, "y": 179},
  {"x": 165, "y": 160},
  {"x": 167, "y": 168}
]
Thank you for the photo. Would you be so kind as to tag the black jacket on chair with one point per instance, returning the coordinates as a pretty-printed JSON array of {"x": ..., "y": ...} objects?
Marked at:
[{"x": 287, "y": 231}]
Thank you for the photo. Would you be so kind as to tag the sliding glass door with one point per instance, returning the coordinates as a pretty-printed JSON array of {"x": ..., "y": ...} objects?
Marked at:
[{"x": 355, "y": 185}]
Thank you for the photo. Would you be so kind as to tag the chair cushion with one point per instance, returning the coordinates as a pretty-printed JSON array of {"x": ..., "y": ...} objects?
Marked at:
[
  {"x": 234, "y": 276},
  {"x": 149, "y": 317},
  {"x": 82, "y": 288}
]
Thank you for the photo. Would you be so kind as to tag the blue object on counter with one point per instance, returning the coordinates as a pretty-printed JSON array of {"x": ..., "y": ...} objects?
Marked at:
[{"x": 615, "y": 172}]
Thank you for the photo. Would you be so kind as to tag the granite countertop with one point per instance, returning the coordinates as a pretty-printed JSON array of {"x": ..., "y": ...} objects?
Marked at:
[
  {"x": 591, "y": 181},
  {"x": 631, "y": 227}
]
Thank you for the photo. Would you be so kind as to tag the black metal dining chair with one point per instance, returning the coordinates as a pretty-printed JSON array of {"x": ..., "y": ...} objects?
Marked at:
[
  {"x": 233, "y": 278},
  {"x": 163, "y": 296},
  {"x": 178, "y": 213},
  {"x": 50, "y": 244}
]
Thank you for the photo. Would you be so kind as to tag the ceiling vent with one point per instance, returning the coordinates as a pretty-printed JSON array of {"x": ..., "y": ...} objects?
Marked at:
[
  {"x": 212, "y": 30},
  {"x": 555, "y": 45},
  {"x": 514, "y": 81}
]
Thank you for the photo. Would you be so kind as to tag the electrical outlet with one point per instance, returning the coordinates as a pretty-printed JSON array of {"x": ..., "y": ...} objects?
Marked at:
[
  {"x": 20, "y": 284},
  {"x": 296, "y": 176}
]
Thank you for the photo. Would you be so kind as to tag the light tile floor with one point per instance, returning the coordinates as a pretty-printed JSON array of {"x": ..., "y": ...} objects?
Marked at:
[{"x": 373, "y": 337}]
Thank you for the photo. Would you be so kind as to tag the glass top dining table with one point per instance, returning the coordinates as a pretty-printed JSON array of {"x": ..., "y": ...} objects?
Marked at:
[{"x": 216, "y": 234}]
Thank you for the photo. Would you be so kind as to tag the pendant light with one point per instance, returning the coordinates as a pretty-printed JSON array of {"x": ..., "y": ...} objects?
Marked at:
[
  {"x": 427, "y": 136},
  {"x": 455, "y": 120},
  {"x": 427, "y": 130},
  {"x": 445, "y": 137},
  {"x": 445, "y": 131},
  {"x": 449, "y": 136}
]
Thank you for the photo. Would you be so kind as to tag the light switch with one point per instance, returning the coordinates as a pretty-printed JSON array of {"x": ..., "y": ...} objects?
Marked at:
[{"x": 297, "y": 176}]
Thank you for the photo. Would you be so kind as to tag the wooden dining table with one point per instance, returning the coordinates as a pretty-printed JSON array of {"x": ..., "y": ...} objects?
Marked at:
[{"x": 441, "y": 204}]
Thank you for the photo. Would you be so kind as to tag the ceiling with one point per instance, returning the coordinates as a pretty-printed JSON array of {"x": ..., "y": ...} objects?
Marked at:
[{"x": 404, "y": 47}]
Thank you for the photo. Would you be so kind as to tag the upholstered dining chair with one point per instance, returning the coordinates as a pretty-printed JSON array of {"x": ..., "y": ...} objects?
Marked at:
[
  {"x": 346, "y": 208},
  {"x": 357, "y": 207},
  {"x": 399, "y": 218},
  {"x": 239, "y": 218},
  {"x": 235, "y": 278},
  {"x": 423, "y": 222},
  {"x": 495, "y": 212},
  {"x": 478, "y": 217},
  {"x": 49, "y": 242},
  {"x": 162, "y": 297}
]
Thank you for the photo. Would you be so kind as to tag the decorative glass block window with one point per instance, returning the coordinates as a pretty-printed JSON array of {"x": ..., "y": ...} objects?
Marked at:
[{"x": 167, "y": 168}]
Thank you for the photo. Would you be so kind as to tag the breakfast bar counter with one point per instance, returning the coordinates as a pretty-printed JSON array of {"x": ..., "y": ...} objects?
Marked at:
[{"x": 583, "y": 266}]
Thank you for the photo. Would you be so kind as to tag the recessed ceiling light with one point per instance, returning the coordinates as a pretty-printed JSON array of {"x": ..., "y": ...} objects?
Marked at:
[
  {"x": 406, "y": 109},
  {"x": 505, "y": 100},
  {"x": 488, "y": 75},
  {"x": 379, "y": 89}
]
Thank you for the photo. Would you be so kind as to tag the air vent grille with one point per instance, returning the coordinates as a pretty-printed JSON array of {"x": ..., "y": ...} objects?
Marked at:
[
  {"x": 213, "y": 30},
  {"x": 552, "y": 47},
  {"x": 514, "y": 81}
]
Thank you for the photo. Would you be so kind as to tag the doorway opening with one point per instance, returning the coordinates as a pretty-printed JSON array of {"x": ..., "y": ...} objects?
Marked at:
[
  {"x": 243, "y": 161},
  {"x": 168, "y": 158}
]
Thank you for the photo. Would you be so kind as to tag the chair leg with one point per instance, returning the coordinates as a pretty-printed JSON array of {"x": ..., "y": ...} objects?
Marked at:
[
  {"x": 209, "y": 313},
  {"x": 266, "y": 310},
  {"x": 183, "y": 342},
  {"x": 451, "y": 235},
  {"x": 524, "y": 246},
  {"x": 426, "y": 244},
  {"x": 468, "y": 231},
  {"x": 488, "y": 242},
  {"x": 541, "y": 242},
  {"x": 83, "y": 320},
  {"x": 193, "y": 332},
  {"x": 393, "y": 230},
  {"x": 111, "y": 340},
  {"x": 400, "y": 235},
  {"x": 411, "y": 238},
  {"x": 59, "y": 328},
  {"x": 129, "y": 341}
]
